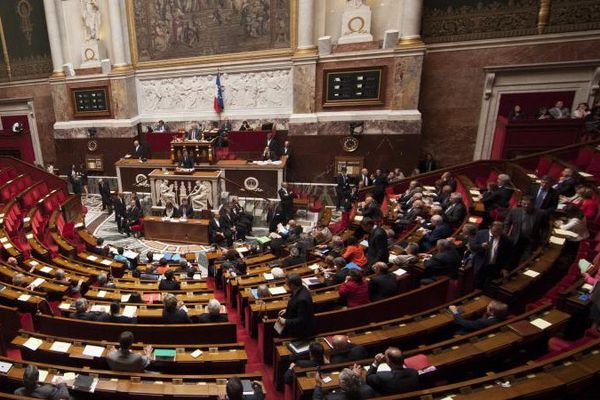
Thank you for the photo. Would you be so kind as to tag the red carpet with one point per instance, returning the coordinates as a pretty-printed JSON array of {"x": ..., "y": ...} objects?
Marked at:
[{"x": 254, "y": 357}]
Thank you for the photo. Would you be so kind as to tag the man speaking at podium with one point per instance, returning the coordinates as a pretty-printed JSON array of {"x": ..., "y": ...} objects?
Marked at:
[{"x": 194, "y": 133}]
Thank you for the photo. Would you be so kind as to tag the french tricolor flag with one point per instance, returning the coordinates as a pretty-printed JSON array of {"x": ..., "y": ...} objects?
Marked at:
[{"x": 218, "y": 101}]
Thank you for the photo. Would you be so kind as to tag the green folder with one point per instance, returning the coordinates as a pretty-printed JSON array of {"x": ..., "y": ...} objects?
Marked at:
[
  {"x": 263, "y": 239},
  {"x": 164, "y": 354}
]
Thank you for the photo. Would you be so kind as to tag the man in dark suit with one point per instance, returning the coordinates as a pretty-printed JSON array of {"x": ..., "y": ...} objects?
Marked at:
[
  {"x": 544, "y": 196},
  {"x": 194, "y": 134},
  {"x": 114, "y": 316},
  {"x": 133, "y": 216},
  {"x": 104, "y": 190},
  {"x": 81, "y": 311},
  {"x": 456, "y": 210},
  {"x": 351, "y": 386},
  {"x": 343, "y": 350},
  {"x": 380, "y": 183},
  {"x": 298, "y": 319},
  {"x": 169, "y": 282},
  {"x": 235, "y": 390},
  {"x": 383, "y": 284},
  {"x": 498, "y": 194},
  {"x": 566, "y": 183},
  {"x": 316, "y": 354},
  {"x": 440, "y": 230},
  {"x": 398, "y": 380},
  {"x": 428, "y": 164},
  {"x": 416, "y": 210},
  {"x": 31, "y": 388},
  {"x": 138, "y": 150},
  {"x": 342, "y": 188},
  {"x": 491, "y": 252},
  {"x": 287, "y": 151},
  {"x": 217, "y": 234},
  {"x": 364, "y": 177},
  {"x": 445, "y": 262},
  {"x": 495, "y": 312},
  {"x": 186, "y": 161},
  {"x": 268, "y": 154},
  {"x": 275, "y": 216},
  {"x": 272, "y": 144},
  {"x": 120, "y": 208},
  {"x": 287, "y": 202},
  {"x": 526, "y": 226},
  {"x": 124, "y": 360},
  {"x": 378, "y": 246},
  {"x": 371, "y": 209},
  {"x": 214, "y": 313},
  {"x": 448, "y": 179},
  {"x": 185, "y": 210},
  {"x": 174, "y": 311}
]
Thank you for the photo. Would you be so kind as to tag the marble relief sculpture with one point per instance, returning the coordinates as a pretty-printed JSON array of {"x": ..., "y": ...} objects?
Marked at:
[
  {"x": 91, "y": 19},
  {"x": 166, "y": 192},
  {"x": 199, "y": 196},
  {"x": 242, "y": 91}
]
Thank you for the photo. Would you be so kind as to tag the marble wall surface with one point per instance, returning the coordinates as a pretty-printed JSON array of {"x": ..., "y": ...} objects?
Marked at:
[
  {"x": 452, "y": 89},
  {"x": 41, "y": 95},
  {"x": 304, "y": 88}
]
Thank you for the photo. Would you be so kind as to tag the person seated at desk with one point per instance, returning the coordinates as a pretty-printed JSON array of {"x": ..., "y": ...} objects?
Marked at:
[
  {"x": 396, "y": 379},
  {"x": 31, "y": 388},
  {"x": 214, "y": 313},
  {"x": 383, "y": 284},
  {"x": 174, "y": 312},
  {"x": 169, "y": 282},
  {"x": 195, "y": 133},
  {"x": 245, "y": 126},
  {"x": 186, "y": 160},
  {"x": 138, "y": 151},
  {"x": 134, "y": 213},
  {"x": 18, "y": 280},
  {"x": 439, "y": 230},
  {"x": 185, "y": 210},
  {"x": 355, "y": 289},
  {"x": 162, "y": 127},
  {"x": 218, "y": 234},
  {"x": 316, "y": 358},
  {"x": 343, "y": 350},
  {"x": 445, "y": 262},
  {"x": 115, "y": 316},
  {"x": 295, "y": 258},
  {"x": 351, "y": 387},
  {"x": 81, "y": 311},
  {"x": 74, "y": 287},
  {"x": 268, "y": 155},
  {"x": 495, "y": 312},
  {"x": 124, "y": 360},
  {"x": 262, "y": 292},
  {"x": 235, "y": 390},
  {"x": 170, "y": 211},
  {"x": 355, "y": 253}
]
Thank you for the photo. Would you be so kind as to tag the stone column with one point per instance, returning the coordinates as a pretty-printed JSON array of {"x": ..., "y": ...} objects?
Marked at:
[
  {"x": 54, "y": 38},
  {"x": 306, "y": 23},
  {"x": 116, "y": 31},
  {"x": 411, "y": 22}
]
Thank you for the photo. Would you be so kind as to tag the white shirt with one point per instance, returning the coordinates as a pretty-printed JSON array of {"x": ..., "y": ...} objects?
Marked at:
[{"x": 493, "y": 254}]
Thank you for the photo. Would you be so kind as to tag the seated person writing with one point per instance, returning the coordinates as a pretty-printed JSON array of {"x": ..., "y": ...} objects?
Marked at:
[
  {"x": 495, "y": 312},
  {"x": 174, "y": 312},
  {"x": 31, "y": 388},
  {"x": 214, "y": 313},
  {"x": 124, "y": 359}
]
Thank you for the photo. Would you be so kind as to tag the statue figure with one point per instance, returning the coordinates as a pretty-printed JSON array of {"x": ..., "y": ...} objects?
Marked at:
[
  {"x": 91, "y": 19},
  {"x": 182, "y": 191},
  {"x": 167, "y": 193},
  {"x": 199, "y": 197}
]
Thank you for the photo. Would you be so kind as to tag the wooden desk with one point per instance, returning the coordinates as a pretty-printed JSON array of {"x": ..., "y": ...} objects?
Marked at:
[
  {"x": 126, "y": 385},
  {"x": 192, "y": 231},
  {"x": 133, "y": 175},
  {"x": 215, "y": 358}
]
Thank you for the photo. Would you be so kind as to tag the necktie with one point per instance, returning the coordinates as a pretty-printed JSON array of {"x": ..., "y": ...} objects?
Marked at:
[{"x": 540, "y": 198}]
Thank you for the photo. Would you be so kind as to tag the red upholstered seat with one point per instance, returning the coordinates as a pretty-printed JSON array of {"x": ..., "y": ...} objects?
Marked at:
[
  {"x": 543, "y": 166},
  {"x": 584, "y": 157},
  {"x": 139, "y": 227}
]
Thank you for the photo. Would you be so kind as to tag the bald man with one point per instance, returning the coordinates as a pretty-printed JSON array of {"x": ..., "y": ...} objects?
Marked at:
[
  {"x": 344, "y": 351},
  {"x": 397, "y": 380}
]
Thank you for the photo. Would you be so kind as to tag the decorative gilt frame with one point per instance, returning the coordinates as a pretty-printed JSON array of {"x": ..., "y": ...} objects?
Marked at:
[
  {"x": 379, "y": 101},
  {"x": 216, "y": 58}
]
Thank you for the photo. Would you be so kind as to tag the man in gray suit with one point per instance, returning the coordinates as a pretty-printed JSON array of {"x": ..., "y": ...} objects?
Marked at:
[
  {"x": 124, "y": 359},
  {"x": 526, "y": 226},
  {"x": 32, "y": 389}
]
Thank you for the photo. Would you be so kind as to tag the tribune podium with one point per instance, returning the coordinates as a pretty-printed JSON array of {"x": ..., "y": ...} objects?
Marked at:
[{"x": 202, "y": 151}]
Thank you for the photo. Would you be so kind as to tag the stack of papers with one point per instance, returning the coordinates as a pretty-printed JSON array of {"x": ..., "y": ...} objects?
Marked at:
[
  {"x": 64, "y": 306},
  {"x": 93, "y": 351},
  {"x": 125, "y": 298},
  {"x": 268, "y": 277},
  {"x": 24, "y": 297},
  {"x": 277, "y": 290},
  {"x": 106, "y": 261},
  {"x": 100, "y": 308},
  {"x": 314, "y": 267},
  {"x": 37, "y": 282},
  {"x": 541, "y": 323},
  {"x": 33, "y": 343},
  {"x": 563, "y": 232},
  {"x": 557, "y": 240},
  {"x": 196, "y": 353},
  {"x": 101, "y": 293},
  {"x": 45, "y": 270},
  {"x": 91, "y": 258},
  {"x": 61, "y": 347},
  {"x": 5, "y": 367},
  {"x": 399, "y": 272},
  {"x": 130, "y": 311},
  {"x": 43, "y": 375},
  {"x": 531, "y": 273}
]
